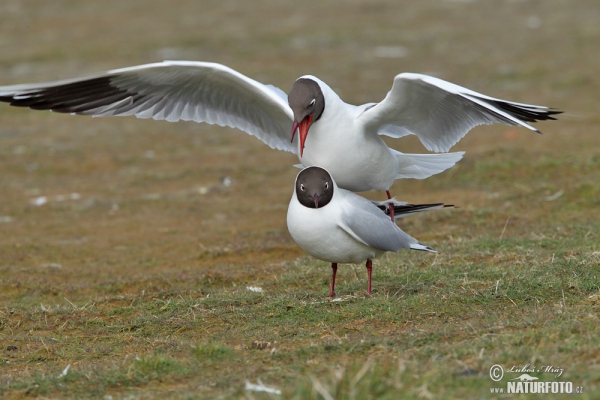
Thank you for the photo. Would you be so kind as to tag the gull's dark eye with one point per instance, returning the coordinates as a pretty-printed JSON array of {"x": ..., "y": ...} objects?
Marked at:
[
  {"x": 326, "y": 185},
  {"x": 302, "y": 187},
  {"x": 312, "y": 103}
]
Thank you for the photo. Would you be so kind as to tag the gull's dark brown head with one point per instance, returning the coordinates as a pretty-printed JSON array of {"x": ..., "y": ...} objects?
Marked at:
[
  {"x": 314, "y": 187},
  {"x": 307, "y": 103}
]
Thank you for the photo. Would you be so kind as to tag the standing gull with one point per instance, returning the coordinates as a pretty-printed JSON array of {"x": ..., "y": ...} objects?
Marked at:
[{"x": 338, "y": 226}]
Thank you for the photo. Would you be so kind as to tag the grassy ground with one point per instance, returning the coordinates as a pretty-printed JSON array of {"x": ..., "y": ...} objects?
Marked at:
[{"x": 134, "y": 273}]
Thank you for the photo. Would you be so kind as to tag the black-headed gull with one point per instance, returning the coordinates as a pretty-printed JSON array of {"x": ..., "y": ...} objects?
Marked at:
[
  {"x": 345, "y": 139},
  {"x": 339, "y": 226}
]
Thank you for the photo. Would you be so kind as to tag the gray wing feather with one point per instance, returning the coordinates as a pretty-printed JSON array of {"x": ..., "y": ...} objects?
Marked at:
[
  {"x": 371, "y": 226},
  {"x": 172, "y": 91},
  {"x": 441, "y": 113}
]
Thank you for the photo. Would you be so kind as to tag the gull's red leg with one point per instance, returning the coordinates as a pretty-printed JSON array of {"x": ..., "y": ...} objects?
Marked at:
[
  {"x": 391, "y": 206},
  {"x": 369, "y": 272},
  {"x": 333, "y": 272}
]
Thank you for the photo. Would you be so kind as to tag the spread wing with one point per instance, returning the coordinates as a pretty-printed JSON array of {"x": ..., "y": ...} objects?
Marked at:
[
  {"x": 169, "y": 90},
  {"x": 441, "y": 113}
]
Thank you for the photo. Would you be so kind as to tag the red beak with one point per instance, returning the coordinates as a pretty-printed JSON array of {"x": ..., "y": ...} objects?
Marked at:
[
  {"x": 303, "y": 128},
  {"x": 316, "y": 199}
]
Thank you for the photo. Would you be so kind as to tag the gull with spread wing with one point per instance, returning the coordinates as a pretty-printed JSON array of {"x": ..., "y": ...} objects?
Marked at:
[{"x": 345, "y": 139}]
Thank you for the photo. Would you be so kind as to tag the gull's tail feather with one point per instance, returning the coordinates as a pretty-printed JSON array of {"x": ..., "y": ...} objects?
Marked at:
[
  {"x": 421, "y": 166},
  {"x": 402, "y": 209},
  {"x": 422, "y": 247}
]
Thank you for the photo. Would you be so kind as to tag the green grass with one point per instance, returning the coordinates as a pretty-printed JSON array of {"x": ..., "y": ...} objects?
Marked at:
[
  {"x": 139, "y": 286},
  {"x": 427, "y": 330}
]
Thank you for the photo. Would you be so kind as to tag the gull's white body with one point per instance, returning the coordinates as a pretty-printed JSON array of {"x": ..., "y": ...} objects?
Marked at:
[
  {"x": 345, "y": 139},
  {"x": 358, "y": 159},
  {"x": 350, "y": 229},
  {"x": 320, "y": 233}
]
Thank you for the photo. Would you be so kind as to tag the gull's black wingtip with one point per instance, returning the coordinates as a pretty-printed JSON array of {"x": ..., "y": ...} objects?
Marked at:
[
  {"x": 551, "y": 112},
  {"x": 405, "y": 209},
  {"x": 6, "y": 99},
  {"x": 547, "y": 116}
]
